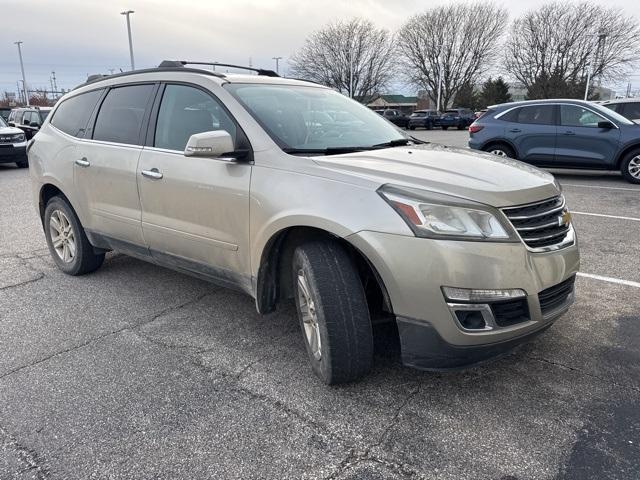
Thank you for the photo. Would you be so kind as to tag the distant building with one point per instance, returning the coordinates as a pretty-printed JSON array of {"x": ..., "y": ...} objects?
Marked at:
[{"x": 398, "y": 102}]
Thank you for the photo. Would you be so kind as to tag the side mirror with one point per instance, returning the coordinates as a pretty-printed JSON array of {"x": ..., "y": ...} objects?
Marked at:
[
  {"x": 209, "y": 144},
  {"x": 606, "y": 124}
]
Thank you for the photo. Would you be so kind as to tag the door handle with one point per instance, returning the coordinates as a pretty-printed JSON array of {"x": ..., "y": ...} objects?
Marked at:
[
  {"x": 154, "y": 173},
  {"x": 83, "y": 162},
  {"x": 515, "y": 130}
]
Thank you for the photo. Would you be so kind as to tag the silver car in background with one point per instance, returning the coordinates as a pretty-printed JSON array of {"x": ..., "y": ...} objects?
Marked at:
[{"x": 249, "y": 181}]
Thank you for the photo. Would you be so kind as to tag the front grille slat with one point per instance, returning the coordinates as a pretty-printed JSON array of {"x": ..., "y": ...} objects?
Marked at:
[
  {"x": 556, "y": 296},
  {"x": 510, "y": 312},
  {"x": 540, "y": 224}
]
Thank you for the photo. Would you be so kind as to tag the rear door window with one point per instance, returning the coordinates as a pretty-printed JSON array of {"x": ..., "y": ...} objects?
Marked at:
[
  {"x": 631, "y": 110},
  {"x": 536, "y": 115},
  {"x": 121, "y": 114},
  {"x": 73, "y": 114}
]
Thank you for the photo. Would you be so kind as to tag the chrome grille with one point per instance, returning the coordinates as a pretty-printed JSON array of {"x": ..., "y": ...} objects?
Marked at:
[
  {"x": 6, "y": 138},
  {"x": 542, "y": 225}
]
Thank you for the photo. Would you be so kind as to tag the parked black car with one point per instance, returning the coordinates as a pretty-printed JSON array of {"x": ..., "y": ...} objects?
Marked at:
[
  {"x": 395, "y": 116},
  {"x": 28, "y": 119},
  {"x": 459, "y": 118},
  {"x": 423, "y": 119}
]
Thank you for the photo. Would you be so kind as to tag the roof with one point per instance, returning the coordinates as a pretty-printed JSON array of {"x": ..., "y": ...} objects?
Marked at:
[
  {"x": 545, "y": 100},
  {"x": 621, "y": 100}
]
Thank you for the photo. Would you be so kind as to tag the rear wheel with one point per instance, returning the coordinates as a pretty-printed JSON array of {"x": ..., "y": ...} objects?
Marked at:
[
  {"x": 630, "y": 167},
  {"x": 67, "y": 241},
  {"x": 501, "y": 150},
  {"x": 444, "y": 128},
  {"x": 333, "y": 312}
]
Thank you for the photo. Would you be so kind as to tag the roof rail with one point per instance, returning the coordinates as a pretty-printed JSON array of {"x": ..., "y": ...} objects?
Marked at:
[{"x": 182, "y": 63}]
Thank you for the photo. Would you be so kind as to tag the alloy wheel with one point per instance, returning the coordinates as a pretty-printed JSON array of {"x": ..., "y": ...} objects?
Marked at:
[
  {"x": 63, "y": 237},
  {"x": 634, "y": 167},
  {"x": 309, "y": 315},
  {"x": 498, "y": 152}
]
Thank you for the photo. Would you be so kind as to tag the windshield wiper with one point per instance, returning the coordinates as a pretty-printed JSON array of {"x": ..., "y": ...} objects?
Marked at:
[
  {"x": 398, "y": 142},
  {"x": 324, "y": 151}
]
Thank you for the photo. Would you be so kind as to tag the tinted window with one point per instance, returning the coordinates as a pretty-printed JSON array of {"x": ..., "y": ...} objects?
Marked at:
[
  {"x": 185, "y": 111},
  {"x": 535, "y": 114},
  {"x": 72, "y": 115},
  {"x": 43, "y": 115},
  {"x": 574, "y": 116},
  {"x": 616, "y": 107},
  {"x": 121, "y": 114},
  {"x": 631, "y": 110}
]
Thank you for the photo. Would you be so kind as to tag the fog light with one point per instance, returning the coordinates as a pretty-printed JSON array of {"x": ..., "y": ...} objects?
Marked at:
[
  {"x": 473, "y": 295},
  {"x": 471, "y": 319}
]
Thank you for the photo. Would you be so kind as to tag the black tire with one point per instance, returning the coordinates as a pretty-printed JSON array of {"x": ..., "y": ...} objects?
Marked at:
[
  {"x": 460, "y": 127},
  {"x": 429, "y": 126},
  {"x": 627, "y": 167},
  {"x": 341, "y": 313},
  {"x": 506, "y": 150},
  {"x": 84, "y": 259},
  {"x": 444, "y": 128},
  {"x": 412, "y": 128},
  {"x": 23, "y": 163}
]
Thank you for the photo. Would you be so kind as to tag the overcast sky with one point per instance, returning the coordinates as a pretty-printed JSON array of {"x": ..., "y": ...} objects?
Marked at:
[{"x": 79, "y": 37}]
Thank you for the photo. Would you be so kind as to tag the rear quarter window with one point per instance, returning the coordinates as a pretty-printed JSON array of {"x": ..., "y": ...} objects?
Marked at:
[{"x": 73, "y": 114}]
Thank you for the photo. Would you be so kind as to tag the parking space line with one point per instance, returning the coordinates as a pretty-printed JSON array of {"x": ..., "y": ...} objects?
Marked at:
[
  {"x": 600, "y": 186},
  {"x": 619, "y": 217},
  {"x": 619, "y": 281}
]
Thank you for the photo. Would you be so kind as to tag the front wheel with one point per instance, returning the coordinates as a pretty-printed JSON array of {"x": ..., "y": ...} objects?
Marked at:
[
  {"x": 630, "y": 167},
  {"x": 67, "y": 242},
  {"x": 23, "y": 163},
  {"x": 444, "y": 128},
  {"x": 501, "y": 150},
  {"x": 333, "y": 313}
]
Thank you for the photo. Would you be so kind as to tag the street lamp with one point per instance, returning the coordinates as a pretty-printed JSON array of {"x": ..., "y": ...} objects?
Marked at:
[
  {"x": 277, "y": 59},
  {"x": 24, "y": 80},
  {"x": 127, "y": 13}
]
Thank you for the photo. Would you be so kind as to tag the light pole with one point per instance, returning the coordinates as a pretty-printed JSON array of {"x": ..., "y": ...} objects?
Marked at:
[
  {"x": 127, "y": 13},
  {"x": 277, "y": 59},
  {"x": 24, "y": 80},
  {"x": 439, "y": 83}
]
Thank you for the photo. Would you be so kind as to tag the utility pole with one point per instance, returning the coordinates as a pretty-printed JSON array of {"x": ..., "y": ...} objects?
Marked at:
[
  {"x": 127, "y": 13},
  {"x": 350, "y": 72},
  {"x": 20, "y": 98},
  {"x": 55, "y": 84},
  {"x": 24, "y": 80},
  {"x": 586, "y": 90},
  {"x": 277, "y": 59}
]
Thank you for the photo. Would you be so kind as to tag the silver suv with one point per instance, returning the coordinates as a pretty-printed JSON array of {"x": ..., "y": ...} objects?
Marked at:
[{"x": 250, "y": 181}]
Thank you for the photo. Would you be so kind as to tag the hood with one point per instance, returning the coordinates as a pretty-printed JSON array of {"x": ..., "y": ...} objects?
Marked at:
[
  {"x": 9, "y": 130},
  {"x": 476, "y": 176}
]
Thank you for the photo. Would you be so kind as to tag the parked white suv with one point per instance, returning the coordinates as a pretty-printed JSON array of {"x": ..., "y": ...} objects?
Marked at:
[{"x": 250, "y": 182}]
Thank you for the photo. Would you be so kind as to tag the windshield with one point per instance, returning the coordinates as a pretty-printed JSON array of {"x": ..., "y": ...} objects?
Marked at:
[
  {"x": 2, "y": 123},
  {"x": 612, "y": 114},
  {"x": 311, "y": 119}
]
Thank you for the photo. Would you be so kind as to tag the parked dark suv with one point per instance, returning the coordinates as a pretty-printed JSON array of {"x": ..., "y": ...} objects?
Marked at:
[
  {"x": 459, "y": 118},
  {"x": 395, "y": 116},
  {"x": 560, "y": 133},
  {"x": 423, "y": 119},
  {"x": 28, "y": 119}
]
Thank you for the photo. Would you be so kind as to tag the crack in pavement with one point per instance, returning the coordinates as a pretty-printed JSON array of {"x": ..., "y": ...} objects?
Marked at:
[
  {"x": 26, "y": 456},
  {"x": 355, "y": 458},
  {"x": 23, "y": 261},
  {"x": 582, "y": 372},
  {"x": 150, "y": 318}
]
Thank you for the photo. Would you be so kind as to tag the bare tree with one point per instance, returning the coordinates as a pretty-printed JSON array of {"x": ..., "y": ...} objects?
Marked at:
[
  {"x": 551, "y": 49},
  {"x": 357, "y": 46},
  {"x": 456, "y": 42}
]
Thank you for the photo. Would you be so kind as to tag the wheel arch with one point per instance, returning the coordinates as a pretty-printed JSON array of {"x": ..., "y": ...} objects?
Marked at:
[
  {"x": 497, "y": 141},
  {"x": 274, "y": 284},
  {"x": 624, "y": 152}
]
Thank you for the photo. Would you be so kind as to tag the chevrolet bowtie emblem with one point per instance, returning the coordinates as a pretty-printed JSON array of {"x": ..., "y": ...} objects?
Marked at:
[{"x": 564, "y": 219}]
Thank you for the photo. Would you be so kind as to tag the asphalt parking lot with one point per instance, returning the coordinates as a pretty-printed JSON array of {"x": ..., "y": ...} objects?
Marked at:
[{"x": 136, "y": 371}]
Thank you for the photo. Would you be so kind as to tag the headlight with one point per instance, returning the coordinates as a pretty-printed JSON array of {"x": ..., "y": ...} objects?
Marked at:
[
  {"x": 18, "y": 138},
  {"x": 435, "y": 215}
]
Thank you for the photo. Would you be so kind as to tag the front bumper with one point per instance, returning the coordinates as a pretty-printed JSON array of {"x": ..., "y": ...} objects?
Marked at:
[
  {"x": 413, "y": 271},
  {"x": 16, "y": 152}
]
